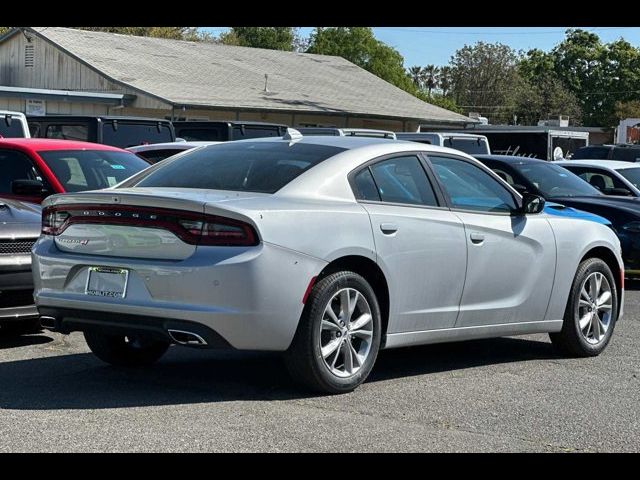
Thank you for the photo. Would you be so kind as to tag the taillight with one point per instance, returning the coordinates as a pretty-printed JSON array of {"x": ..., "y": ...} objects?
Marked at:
[
  {"x": 192, "y": 228},
  {"x": 53, "y": 220},
  {"x": 214, "y": 230}
]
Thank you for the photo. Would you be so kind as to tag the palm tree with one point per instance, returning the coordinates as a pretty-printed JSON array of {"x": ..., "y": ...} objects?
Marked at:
[
  {"x": 445, "y": 80},
  {"x": 417, "y": 76},
  {"x": 431, "y": 77}
]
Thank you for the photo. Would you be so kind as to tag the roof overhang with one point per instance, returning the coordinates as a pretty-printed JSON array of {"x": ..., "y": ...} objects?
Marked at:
[{"x": 67, "y": 95}]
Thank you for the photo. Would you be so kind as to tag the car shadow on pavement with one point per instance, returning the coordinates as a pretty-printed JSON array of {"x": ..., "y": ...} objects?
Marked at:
[
  {"x": 630, "y": 284},
  {"x": 184, "y": 376},
  {"x": 12, "y": 340}
]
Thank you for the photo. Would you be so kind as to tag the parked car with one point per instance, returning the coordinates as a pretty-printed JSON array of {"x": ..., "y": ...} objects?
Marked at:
[
  {"x": 157, "y": 152},
  {"x": 620, "y": 152},
  {"x": 211, "y": 131},
  {"x": 559, "y": 185},
  {"x": 611, "y": 177},
  {"x": 465, "y": 142},
  {"x": 31, "y": 169},
  {"x": 346, "y": 132},
  {"x": 13, "y": 125},
  {"x": 109, "y": 130},
  {"x": 19, "y": 230},
  {"x": 326, "y": 249}
]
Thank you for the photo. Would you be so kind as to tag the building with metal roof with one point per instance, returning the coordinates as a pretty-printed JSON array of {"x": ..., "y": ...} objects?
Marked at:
[{"x": 70, "y": 71}]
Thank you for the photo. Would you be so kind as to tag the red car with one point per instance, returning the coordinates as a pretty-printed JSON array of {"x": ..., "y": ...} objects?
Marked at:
[{"x": 33, "y": 168}]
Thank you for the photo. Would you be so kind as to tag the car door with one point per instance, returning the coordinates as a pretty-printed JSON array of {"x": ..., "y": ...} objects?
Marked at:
[
  {"x": 420, "y": 244},
  {"x": 15, "y": 165},
  {"x": 511, "y": 257}
]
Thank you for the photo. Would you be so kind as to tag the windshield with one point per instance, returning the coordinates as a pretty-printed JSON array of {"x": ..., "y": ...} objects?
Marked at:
[
  {"x": 631, "y": 174},
  {"x": 555, "y": 181},
  {"x": 240, "y": 166},
  {"x": 467, "y": 145},
  {"x": 79, "y": 170}
]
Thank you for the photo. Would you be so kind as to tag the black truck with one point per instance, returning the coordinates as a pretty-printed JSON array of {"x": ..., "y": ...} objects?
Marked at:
[
  {"x": 116, "y": 131},
  {"x": 223, "y": 131}
]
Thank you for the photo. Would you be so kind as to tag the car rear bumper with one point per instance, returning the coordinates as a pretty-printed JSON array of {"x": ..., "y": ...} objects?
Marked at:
[{"x": 249, "y": 296}]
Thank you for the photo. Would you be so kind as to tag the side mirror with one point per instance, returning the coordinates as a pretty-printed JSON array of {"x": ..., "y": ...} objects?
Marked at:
[
  {"x": 27, "y": 187},
  {"x": 532, "y": 203},
  {"x": 521, "y": 189}
]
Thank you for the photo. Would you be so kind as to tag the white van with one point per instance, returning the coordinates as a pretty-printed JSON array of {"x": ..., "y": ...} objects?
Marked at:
[
  {"x": 13, "y": 125},
  {"x": 470, "y": 143}
]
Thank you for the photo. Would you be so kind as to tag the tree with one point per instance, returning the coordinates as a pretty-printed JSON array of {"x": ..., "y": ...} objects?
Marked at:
[
  {"x": 630, "y": 109},
  {"x": 174, "y": 33},
  {"x": 417, "y": 75},
  {"x": 431, "y": 73},
  {"x": 599, "y": 75},
  {"x": 272, "y": 38},
  {"x": 484, "y": 78},
  {"x": 445, "y": 80},
  {"x": 359, "y": 46},
  {"x": 545, "y": 98}
]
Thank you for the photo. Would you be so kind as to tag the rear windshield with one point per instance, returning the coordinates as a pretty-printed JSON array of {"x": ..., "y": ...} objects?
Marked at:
[
  {"x": 132, "y": 134},
  {"x": 13, "y": 129},
  {"x": 155, "y": 156},
  {"x": 591, "y": 153},
  {"x": 467, "y": 145},
  {"x": 79, "y": 170},
  {"x": 241, "y": 166}
]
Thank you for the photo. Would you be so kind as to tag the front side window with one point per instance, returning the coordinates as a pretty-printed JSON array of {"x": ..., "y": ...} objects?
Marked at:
[
  {"x": 80, "y": 170},
  {"x": 403, "y": 180},
  {"x": 471, "y": 188},
  {"x": 631, "y": 174},
  {"x": 240, "y": 166},
  {"x": 15, "y": 166}
]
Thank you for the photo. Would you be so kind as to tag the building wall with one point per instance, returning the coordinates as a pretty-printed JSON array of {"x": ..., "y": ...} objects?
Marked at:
[{"x": 54, "y": 69}]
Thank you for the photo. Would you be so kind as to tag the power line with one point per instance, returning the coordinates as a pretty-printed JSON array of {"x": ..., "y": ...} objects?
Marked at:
[{"x": 528, "y": 32}]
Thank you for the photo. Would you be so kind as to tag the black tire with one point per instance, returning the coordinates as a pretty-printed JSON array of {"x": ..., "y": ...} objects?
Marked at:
[
  {"x": 123, "y": 351},
  {"x": 570, "y": 339},
  {"x": 304, "y": 357}
]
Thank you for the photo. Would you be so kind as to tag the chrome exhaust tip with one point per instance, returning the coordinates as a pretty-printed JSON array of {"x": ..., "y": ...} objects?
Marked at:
[
  {"x": 48, "y": 322},
  {"x": 183, "y": 337}
]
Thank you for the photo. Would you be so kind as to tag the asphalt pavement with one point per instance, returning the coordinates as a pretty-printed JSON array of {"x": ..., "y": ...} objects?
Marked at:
[{"x": 507, "y": 394}]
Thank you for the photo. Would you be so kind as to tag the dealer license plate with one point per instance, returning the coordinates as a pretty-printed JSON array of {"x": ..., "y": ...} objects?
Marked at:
[{"x": 107, "y": 282}]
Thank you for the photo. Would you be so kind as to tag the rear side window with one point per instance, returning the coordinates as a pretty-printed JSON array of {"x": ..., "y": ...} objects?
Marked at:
[
  {"x": 132, "y": 134},
  {"x": 591, "y": 152},
  {"x": 365, "y": 186},
  {"x": 68, "y": 132},
  {"x": 403, "y": 180},
  {"x": 240, "y": 166}
]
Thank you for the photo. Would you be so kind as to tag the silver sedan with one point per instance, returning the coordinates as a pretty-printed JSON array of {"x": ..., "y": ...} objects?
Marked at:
[{"x": 327, "y": 249}]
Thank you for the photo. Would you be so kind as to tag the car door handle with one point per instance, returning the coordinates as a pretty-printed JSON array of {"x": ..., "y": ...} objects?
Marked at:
[
  {"x": 388, "y": 228},
  {"x": 476, "y": 238}
]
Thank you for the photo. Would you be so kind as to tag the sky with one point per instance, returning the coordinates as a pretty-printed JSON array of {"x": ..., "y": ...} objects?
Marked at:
[{"x": 435, "y": 45}]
